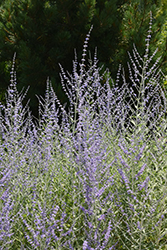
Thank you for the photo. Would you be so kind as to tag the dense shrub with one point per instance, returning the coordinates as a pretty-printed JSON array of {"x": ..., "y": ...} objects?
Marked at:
[{"x": 89, "y": 182}]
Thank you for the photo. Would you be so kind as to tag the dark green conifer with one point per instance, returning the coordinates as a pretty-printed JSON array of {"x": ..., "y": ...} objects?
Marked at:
[{"x": 45, "y": 33}]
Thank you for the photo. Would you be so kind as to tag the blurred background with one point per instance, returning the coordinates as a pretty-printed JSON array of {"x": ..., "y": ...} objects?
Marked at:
[{"x": 45, "y": 33}]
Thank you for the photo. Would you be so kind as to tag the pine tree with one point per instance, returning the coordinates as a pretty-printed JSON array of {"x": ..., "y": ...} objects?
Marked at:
[
  {"x": 161, "y": 34},
  {"x": 45, "y": 33}
]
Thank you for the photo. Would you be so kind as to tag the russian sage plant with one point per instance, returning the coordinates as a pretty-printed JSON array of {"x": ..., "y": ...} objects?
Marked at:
[{"x": 95, "y": 181}]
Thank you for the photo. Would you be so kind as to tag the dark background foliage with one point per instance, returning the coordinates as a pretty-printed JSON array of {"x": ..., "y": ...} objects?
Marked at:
[{"x": 45, "y": 33}]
